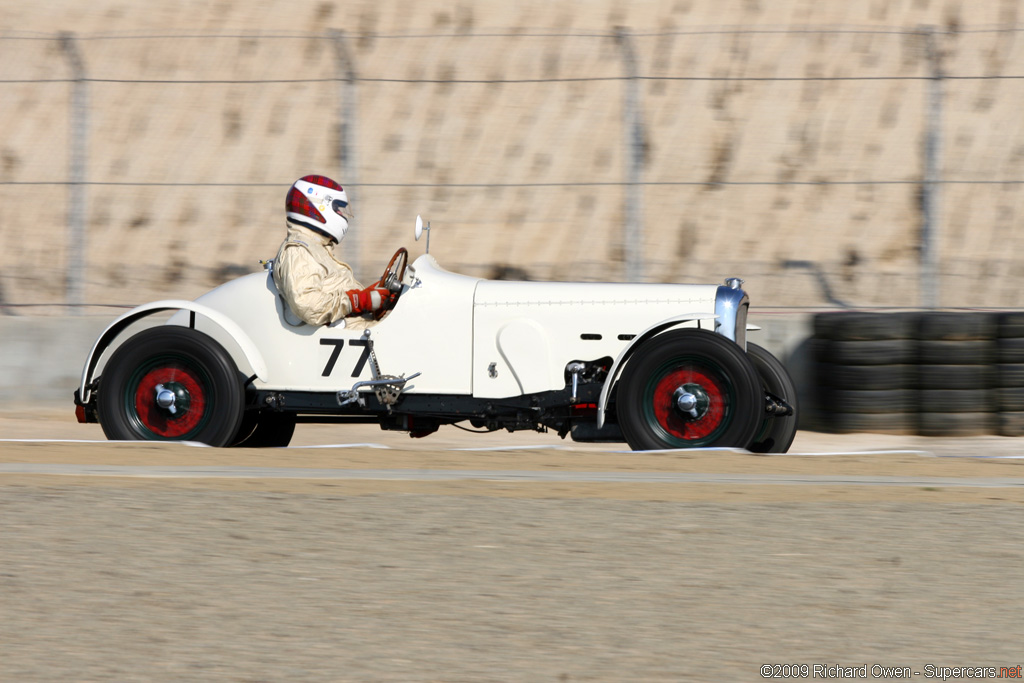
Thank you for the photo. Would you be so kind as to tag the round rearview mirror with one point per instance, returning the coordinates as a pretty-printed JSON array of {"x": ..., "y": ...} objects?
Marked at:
[{"x": 419, "y": 228}]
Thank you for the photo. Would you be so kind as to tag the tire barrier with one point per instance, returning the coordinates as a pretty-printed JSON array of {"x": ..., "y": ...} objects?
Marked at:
[
  {"x": 865, "y": 370},
  {"x": 1009, "y": 393},
  {"x": 929, "y": 373},
  {"x": 956, "y": 353}
]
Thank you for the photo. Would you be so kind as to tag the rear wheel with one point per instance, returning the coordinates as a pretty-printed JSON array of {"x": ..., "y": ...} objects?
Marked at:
[
  {"x": 265, "y": 429},
  {"x": 689, "y": 388},
  {"x": 170, "y": 383}
]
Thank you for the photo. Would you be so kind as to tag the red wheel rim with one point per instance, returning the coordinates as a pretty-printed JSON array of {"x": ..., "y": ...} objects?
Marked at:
[
  {"x": 678, "y": 425},
  {"x": 188, "y": 413}
]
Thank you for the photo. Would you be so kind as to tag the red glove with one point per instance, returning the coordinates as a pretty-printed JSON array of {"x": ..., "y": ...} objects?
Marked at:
[{"x": 369, "y": 299}]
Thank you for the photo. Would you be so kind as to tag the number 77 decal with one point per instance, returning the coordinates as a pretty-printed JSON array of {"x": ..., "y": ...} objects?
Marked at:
[{"x": 338, "y": 345}]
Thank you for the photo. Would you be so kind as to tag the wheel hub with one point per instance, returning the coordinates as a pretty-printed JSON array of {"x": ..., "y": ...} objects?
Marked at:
[
  {"x": 172, "y": 397},
  {"x": 688, "y": 402},
  {"x": 691, "y": 400}
]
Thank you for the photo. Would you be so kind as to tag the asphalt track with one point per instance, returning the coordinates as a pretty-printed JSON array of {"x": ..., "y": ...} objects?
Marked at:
[{"x": 527, "y": 560}]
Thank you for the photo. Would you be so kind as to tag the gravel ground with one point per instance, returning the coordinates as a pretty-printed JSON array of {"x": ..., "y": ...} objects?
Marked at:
[
  {"x": 118, "y": 579},
  {"x": 133, "y": 584}
]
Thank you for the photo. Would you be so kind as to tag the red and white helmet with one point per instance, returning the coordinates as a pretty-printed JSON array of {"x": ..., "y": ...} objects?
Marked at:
[{"x": 319, "y": 203}]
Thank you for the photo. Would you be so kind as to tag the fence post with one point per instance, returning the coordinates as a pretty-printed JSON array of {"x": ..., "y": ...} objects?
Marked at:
[
  {"x": 632, "y": 117},
  {"x": 77, "y": 175},
  {"x": 930, "y": 284},
  {"x": 347, "y": 160}
]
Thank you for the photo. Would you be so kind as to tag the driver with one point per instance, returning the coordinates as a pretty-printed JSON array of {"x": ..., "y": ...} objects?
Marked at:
[{"x": 317, "y": 287}]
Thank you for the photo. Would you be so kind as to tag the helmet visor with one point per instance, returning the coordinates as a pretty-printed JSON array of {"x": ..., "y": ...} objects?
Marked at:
[{"x": 340, "y": 207}]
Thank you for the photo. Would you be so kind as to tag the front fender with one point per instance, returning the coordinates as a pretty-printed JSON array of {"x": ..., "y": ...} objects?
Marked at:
[
  {"x": 252, "y": 354},
  {"x": 651, "y": 331},
  {"x": 730, "y": 320}
]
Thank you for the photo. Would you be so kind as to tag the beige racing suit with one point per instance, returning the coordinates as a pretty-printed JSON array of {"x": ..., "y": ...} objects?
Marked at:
[{"x": 313, "y": 282}]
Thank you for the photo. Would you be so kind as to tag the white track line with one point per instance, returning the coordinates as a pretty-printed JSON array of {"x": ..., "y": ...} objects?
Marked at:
[
  {"x": 337, "y": 445},
  {"x": 193, "y": 444}
]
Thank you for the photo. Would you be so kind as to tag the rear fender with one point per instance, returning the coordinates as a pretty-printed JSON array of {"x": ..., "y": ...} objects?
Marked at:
[
  {"x": 248, "y": 348},
  {"x": 624, "y": 355}
]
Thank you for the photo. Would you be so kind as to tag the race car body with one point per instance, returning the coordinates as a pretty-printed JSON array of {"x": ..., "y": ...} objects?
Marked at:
[{"x": 236, "y": 367}]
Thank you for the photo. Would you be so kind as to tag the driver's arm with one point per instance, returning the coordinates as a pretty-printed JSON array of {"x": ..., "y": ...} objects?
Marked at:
[
  {"x": 367, "y": 300},
  {"x": 360, "y": 299}
]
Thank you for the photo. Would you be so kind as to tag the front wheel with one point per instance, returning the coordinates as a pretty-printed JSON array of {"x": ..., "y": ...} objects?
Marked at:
[
  {"x": 170, "y": 383},
  {"x": 689, "y": 388}
]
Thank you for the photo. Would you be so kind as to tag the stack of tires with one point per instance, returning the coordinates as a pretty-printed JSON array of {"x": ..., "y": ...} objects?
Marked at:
[
  {"x": 1009, "y": 401},
  {"x": 935, "y": 373},
  {"x": 866, "y": 372},
  {"x": 956, "y": 373}
]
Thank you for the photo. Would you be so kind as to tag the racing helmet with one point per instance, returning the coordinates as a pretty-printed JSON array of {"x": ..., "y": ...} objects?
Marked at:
[{"x": 318, "y": 203}]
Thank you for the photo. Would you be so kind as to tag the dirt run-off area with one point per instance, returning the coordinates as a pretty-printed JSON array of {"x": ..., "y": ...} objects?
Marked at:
[{"x": 533, "y": 560}]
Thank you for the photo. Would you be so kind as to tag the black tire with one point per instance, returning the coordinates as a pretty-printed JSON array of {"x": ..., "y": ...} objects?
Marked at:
[
  {"x": 1011, "y": 324},
  {"x": 956, "y": 326},
  {"x": 716, "y": 373},
  {"x": 871, "y": 401},
  {"x": 880, "y": 423},
  {"x": 956, "y": 376},
  {"x": 1010, "y": 423},
  {"x": 957, "y": 424},
  {"x": 964, "y": 352},
  {"x": 866, "y": 377},
  {"x": 191, "y": 366},
  {"x": 1009, "y": 399},
  {"x": 871, "y": 352},
  {"x": 265, "y": 429},
  {"x": 1011, "y": 350},
  {"x": 958, "y": 400},
  {"x": 863, "y": 326},
  {"x": 776, "y": 433},
  {"x": 1010, "y": 375}
]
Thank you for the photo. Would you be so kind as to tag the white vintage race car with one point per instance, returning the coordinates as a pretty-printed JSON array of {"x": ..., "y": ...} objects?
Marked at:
[{"x": 659, "y": 366}]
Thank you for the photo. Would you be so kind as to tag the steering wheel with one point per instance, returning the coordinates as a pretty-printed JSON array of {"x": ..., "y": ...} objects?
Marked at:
[{"x": 391, "y": 280}]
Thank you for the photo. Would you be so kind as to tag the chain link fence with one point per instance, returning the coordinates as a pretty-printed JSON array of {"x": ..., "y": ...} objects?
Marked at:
[{"x": 828, "y": 166}]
